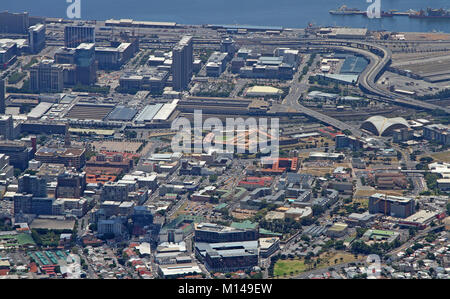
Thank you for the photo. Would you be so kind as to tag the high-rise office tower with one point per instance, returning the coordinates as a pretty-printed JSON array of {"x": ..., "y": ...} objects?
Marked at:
[
  {"x": 2, "y": 96},
  {"x": 7, "y": 126},
  {"x": 86, "y": 65},
  {"x": 14, "y": 22},
  {"x": 36, "y": 38},
  {"x": 46, "y": 77},
  {"x": 67, "y": 141},
  {"x": 70, "y": 185},
  {"x": 31, "y": 184},
  {"x": 182, "y": 63},
  {"x": 76, "y": 35},
  {"x": 227, "y": 46}
]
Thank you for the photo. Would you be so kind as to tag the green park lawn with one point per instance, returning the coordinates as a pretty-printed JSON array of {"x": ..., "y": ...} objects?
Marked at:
[{"x": 283, "y": 267}]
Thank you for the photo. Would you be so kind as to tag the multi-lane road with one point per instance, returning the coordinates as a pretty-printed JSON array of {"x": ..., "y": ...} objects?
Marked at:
[
  {"x": 367, "y": 81},
  {"x": 300, "y": 87},
  {"x": 379, "y": 59}
]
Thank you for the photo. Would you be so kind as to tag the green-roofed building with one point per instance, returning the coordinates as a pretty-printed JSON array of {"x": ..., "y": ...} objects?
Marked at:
[
  {"x": 267, "y": 233},
  {"x": 177, "y": 222},
  {"x": 380, "y": 235},
  {"x": 17, "y": 240},
  {"x": 221, "y": 206},
  {"x": 247, "y": 224},
  {"x": 240, "y": 194}
]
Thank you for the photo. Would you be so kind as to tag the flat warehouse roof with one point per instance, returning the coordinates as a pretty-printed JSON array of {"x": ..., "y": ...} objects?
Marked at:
[{"x": 249, "y": 27}]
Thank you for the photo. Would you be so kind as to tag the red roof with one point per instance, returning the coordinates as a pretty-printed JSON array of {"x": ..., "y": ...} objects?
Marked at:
[
  {"x": 331, "y": 131},
  {"x": 252, "y": 181},
  {"x": 137, "y": 262},
  {"x": 33, "y": 267},
  {"x": 191, "y": 277},
  {"x": 144, "y": 271},
  {"x": 129, "y": 252}
]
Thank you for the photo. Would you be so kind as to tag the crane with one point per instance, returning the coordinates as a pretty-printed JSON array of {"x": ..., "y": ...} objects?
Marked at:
[{"x": 385, "y": 203}]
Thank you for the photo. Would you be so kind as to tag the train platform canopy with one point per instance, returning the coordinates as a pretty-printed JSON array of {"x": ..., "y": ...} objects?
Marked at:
[
  {"x": 148, "y": 113},
  {"x": 121, "y": 113}
]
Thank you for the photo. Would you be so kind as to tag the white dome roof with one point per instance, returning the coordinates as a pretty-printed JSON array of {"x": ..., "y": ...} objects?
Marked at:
[{"x": 380, "y": 125}]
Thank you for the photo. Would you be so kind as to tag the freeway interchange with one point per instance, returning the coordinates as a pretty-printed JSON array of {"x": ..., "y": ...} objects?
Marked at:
[{"x": 379, "y": 59}]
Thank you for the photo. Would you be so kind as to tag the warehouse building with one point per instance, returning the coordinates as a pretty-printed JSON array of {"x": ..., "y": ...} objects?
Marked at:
[
  {"x": 143, "y": 24},
  {"x": 262, "y": 91},
  {"x": 343, "y": 33},
  {"x": 421, "y": 219}
]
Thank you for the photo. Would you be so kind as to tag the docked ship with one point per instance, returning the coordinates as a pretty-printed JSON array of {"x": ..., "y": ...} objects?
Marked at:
[
  {"x": 388, "y": 13},
  {"x": 344, "y": 10},
  {"x": 439, "y": 13}
]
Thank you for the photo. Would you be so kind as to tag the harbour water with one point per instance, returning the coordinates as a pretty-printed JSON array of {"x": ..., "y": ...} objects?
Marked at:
[{"x": 286, "y": 13}]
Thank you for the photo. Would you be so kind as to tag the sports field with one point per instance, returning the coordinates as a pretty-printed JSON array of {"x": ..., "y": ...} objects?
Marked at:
[{"x": 291, "y": 267}]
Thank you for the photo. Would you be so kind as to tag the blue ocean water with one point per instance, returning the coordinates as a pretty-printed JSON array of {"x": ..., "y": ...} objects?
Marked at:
[{"x": 286, "y": 13}]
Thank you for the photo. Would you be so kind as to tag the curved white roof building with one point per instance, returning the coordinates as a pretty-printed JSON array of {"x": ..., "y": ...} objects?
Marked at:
[{"x": 382, "y": 126}]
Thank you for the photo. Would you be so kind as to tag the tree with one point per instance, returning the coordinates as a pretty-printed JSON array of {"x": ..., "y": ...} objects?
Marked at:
[
  {"x": 347, "y": 132},
  {"x": 317, "y": 210},
  {"x": 360, "y": 232},
  {"x": 412, "y": 231},
  {"x": 305, "y": 238},
  {"x": 36, "y": 237},
  {"x": 17, "y": 172},
  {"x": 130, "y": 134}
]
